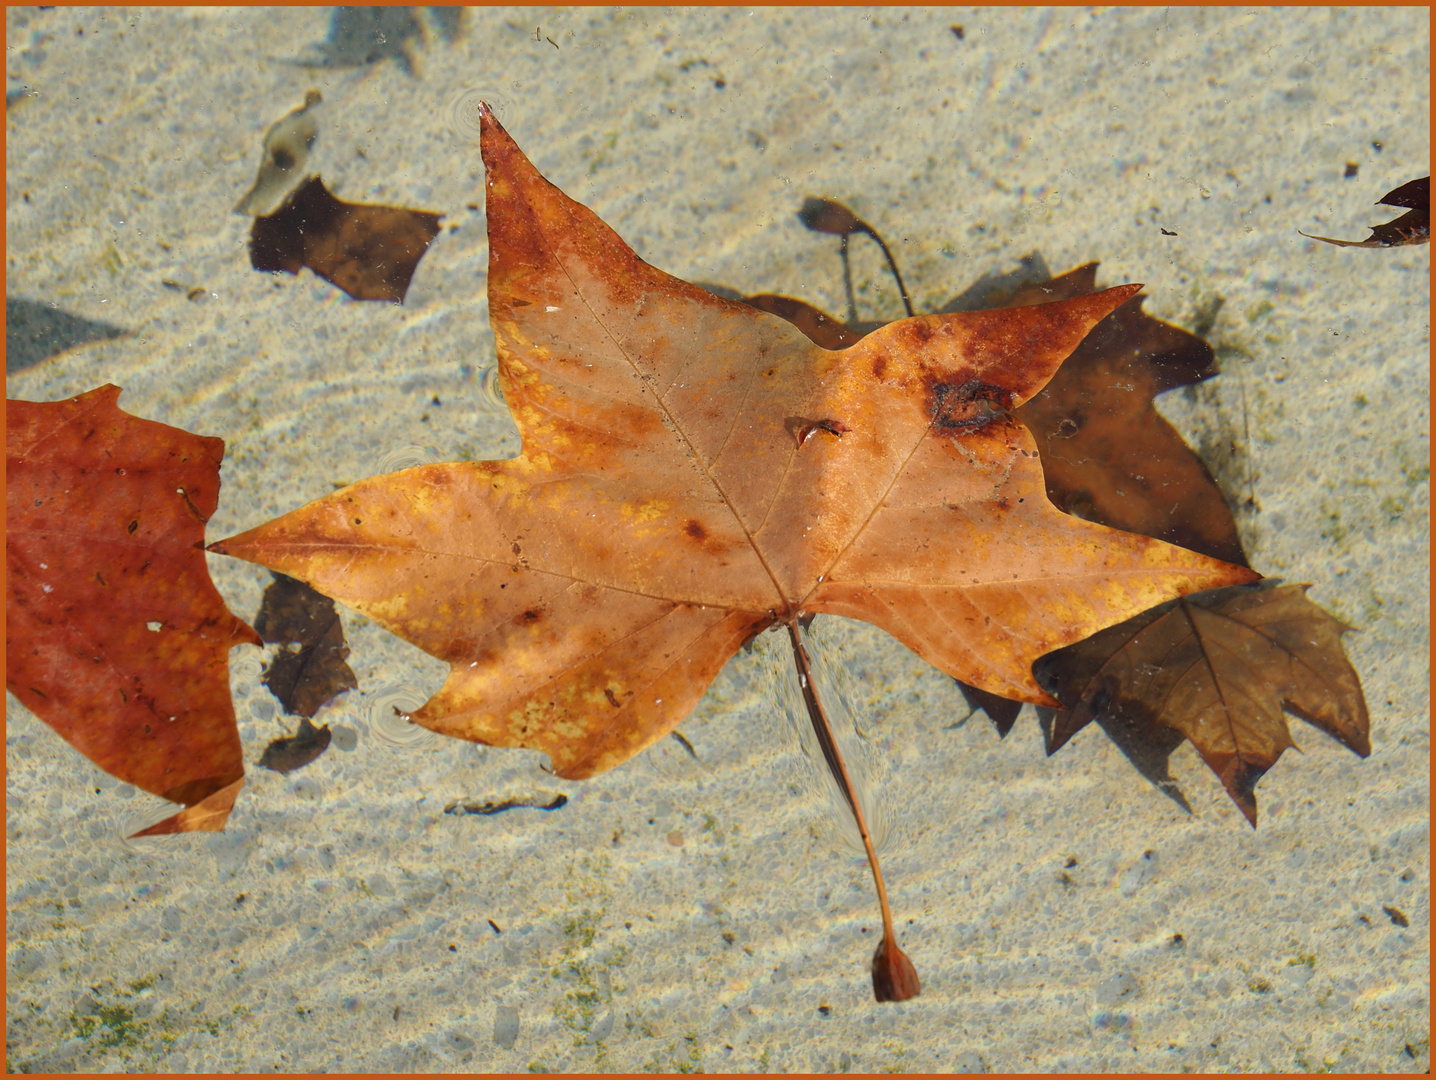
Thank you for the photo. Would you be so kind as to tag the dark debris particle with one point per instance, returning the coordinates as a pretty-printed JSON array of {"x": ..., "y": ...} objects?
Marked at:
[
  {"x": 1396, "y": 915},
  {"x": 1352, "y": 168}
]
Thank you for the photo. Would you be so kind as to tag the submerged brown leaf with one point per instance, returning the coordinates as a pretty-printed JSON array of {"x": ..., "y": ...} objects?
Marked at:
[
  {"x": 1217, "y": 667},
  {"x": 311, "y": 671},
  {"x": 291, "y": 752},
  {"x": 1107, "y": 454},
  {"x": 818, "y": 325},
  {"x": 370, "y": 252}
]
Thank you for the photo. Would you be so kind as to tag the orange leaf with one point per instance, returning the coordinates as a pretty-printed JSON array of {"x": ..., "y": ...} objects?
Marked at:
[
  {"x": 661, "y": 512},
  {"x": 115, "y": 635}
]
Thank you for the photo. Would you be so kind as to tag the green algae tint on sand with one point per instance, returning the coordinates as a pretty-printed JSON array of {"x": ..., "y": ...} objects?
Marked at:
[{"x": 702, "y": 905}]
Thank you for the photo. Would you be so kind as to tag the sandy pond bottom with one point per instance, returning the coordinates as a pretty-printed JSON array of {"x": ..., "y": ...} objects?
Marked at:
[{"x": 700, "y": 910}]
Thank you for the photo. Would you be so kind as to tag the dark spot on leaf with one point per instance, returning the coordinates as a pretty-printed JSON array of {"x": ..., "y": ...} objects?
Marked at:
[{"x": 973, "y": 404}]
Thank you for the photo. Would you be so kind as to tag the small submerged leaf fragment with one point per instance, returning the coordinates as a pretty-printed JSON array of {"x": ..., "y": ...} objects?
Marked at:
[
  {"x": 1412, "y": 227},
  {"x": 313, "y": 673},
  {"x": 371, "y": 252},
  {"x": 291, "y": 752}
]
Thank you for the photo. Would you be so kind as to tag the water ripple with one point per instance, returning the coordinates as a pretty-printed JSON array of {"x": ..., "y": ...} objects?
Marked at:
[{"x": 389, "y": 708}]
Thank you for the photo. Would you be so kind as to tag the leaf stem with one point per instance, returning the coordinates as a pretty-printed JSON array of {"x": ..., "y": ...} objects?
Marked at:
[
  {"x": 892, "y": 264},
  {"x": 894, "y": 977}
]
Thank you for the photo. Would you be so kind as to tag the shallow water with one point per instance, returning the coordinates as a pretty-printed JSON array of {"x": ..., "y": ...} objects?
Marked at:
[{"x": 704, "y": 910}]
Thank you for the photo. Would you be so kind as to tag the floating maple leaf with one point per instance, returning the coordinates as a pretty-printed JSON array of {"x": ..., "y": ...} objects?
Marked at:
[
  {"x": 115, "y": 635},
  {"x": 1217, "y": 668},
  {"x": 662, "y": 511}
]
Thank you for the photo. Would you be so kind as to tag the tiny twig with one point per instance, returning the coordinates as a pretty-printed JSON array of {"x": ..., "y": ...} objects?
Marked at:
[{"x": 894, "y": 977}]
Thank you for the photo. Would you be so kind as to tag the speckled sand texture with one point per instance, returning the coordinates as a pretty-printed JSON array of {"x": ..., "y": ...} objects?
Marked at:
[{"x": 684, "y": 913}]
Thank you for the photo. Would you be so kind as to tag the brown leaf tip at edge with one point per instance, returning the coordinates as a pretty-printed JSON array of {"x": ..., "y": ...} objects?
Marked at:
[
  {"x": 894, "y": 977},
  {"x": 1240, "y": 779},
  {"x": 208, "y": 815}
]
